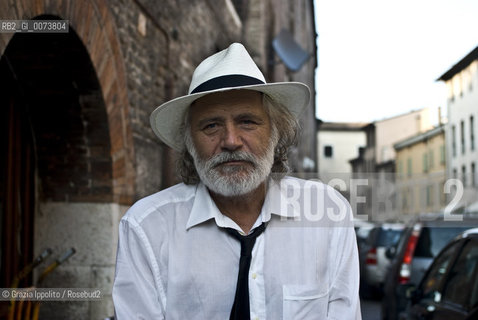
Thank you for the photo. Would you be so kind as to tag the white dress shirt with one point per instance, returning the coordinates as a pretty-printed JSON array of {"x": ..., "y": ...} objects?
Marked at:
[{"x": 175, "y": 261}]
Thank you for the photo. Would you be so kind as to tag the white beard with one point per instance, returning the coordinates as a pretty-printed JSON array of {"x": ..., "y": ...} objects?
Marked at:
[{"x": 234, "y": 180}]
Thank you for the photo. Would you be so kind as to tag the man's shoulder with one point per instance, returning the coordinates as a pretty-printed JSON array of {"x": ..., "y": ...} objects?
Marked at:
[{"x": 171, "y": 196}]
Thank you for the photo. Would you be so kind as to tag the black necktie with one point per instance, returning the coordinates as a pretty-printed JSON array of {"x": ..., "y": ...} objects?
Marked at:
[{"x": 240, "y": 309}]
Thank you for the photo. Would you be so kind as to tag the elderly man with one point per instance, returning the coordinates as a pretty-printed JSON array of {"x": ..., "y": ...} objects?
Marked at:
[{"x": 237, "y": 239}]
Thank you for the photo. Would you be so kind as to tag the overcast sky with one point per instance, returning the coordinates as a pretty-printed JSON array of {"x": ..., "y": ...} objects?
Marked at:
[{"x": 380, "y": 58}]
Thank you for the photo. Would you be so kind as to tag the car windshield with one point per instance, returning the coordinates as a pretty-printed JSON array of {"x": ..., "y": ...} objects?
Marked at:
[
  {"x": 388, "y": 237},
  {"x": 433, "y": 239}
]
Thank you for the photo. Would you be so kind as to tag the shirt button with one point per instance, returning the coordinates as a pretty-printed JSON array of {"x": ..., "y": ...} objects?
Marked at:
[{"x": 254, "y": 275}]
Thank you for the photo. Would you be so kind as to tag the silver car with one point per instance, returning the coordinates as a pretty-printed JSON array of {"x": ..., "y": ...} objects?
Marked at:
[{"x": 376, "y": 263}]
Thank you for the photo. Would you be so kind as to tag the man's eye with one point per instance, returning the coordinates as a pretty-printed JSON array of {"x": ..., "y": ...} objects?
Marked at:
[
  {"x": 248, "y": 122},
  {"x": 210, "y": 126}
]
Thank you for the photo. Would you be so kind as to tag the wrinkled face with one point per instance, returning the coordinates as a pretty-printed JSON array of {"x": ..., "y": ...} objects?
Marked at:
[{"x": 231, "y": 141}]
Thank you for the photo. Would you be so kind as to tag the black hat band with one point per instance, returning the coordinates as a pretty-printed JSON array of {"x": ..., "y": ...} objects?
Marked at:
[{"x": 228, "y": 81}]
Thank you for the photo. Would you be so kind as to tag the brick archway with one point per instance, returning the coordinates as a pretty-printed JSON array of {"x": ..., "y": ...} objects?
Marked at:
[{"x": 95, "y": 27}]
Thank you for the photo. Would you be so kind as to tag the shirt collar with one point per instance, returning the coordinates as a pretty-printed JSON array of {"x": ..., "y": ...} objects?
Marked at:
[
  {"x": 276, "y": 202},
  {"x": 203, "y": 207}
]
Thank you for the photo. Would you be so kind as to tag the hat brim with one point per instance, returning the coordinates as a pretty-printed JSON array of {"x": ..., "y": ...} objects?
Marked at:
[{"x": 166, "y": 120}]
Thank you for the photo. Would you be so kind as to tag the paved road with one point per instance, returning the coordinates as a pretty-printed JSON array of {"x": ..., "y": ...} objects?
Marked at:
[{"x": 370, "y": 309}]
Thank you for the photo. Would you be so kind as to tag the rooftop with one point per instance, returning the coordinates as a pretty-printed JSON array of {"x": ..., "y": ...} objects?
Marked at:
[
  {"x": 340, "y": 126},
  {"x": 419, "y": 138},
  {"x": 460, "y": 65}
]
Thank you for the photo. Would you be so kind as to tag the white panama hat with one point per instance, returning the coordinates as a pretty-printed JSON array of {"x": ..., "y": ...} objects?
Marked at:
[{"x": 229, "y": 69}]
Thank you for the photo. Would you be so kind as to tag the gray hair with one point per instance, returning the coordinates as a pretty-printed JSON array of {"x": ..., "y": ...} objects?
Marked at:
[{"x": 284, "y": 125}]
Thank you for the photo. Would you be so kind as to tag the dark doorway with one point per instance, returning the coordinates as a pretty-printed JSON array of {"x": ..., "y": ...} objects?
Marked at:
[
  {"x": 55, "y": 144},
  {"x": 17, "y": 190}
]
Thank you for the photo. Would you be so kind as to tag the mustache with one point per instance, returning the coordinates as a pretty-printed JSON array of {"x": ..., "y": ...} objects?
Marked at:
[{"x": 224, "y": 157}]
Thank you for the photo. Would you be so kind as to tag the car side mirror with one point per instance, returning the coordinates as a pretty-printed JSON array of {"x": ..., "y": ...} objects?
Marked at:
[{"x": 390, "y": 252}]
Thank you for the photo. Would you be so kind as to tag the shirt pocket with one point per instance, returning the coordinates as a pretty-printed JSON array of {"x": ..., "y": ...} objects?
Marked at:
[{"x": 304, "y": 302}]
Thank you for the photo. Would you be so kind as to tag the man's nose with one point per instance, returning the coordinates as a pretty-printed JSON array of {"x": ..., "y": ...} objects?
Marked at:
[{"x": 231, "y": 139}]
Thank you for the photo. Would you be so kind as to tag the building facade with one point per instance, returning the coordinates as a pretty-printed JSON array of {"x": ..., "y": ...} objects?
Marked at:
[
  {"x": 374, "y": 169},
  {"x": 461, "y": 130},
  {"x": 77, "y": 146},
  {"x": 420, "y": 173},
  {"x": 389, "y": 131},
  {"x": 337, "y": 144}
]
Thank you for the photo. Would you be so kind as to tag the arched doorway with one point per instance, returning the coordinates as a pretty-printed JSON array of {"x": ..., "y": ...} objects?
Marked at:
[{"x": 55, "y": 142}]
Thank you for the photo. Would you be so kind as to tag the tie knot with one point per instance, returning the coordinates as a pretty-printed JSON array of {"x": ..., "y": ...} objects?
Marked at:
[{"x": 247, "y": 241}]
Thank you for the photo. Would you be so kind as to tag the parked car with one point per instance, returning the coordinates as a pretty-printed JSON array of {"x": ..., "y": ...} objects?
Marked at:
[
  {"x": 362, "y": 230},
  {"x": 421, "y": 241},
  {"x": 374, "y": 261},
  {"x": 449, "y": 289}
]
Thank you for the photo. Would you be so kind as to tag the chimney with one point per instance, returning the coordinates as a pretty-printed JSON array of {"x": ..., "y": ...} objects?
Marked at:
[{"x": 439, "y": 116}]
